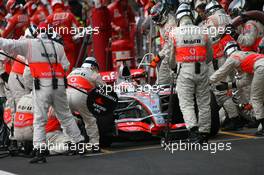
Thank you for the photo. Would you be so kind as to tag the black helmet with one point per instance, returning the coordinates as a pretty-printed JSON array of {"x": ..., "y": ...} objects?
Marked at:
[{"x": 159, "y": 13}]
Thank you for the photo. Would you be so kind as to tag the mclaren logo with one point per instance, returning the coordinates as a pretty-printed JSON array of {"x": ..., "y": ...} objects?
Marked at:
[{"x": 195, "y": 41}]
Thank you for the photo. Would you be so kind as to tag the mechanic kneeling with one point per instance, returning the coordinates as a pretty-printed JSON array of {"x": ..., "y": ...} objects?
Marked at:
[
  {"x": 250, "y": 63},
  {"x": 23, "y": 127}
]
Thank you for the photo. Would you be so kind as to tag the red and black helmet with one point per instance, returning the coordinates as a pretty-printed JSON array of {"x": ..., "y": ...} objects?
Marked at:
[
  {"x": 31, "y": 7},
  {"x": 12, "y": 6}
]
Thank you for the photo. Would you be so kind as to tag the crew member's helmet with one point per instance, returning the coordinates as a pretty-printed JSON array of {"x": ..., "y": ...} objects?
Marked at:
[
  {"x": 31, "y": 7},
  {"x": 57, "y": 3},
  {"x": 231, "y": 47},
  {"x": 212, "y": 7},
  {"x": 236, "y": 7},
  {"x": 12, "y": 6},
  {"x": 159, "y": 13},
  {"x": 184, "y": 10},
  {"x": 90, "y": 62}
]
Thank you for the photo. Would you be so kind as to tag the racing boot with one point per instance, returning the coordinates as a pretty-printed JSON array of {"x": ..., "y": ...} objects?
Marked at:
[
  {"x": 195, "y": 136},
  {"x": 27, "y": 148},
  {"x": 70, "y": 149},
  {"x": 204, "y": 137},
  {"x": 260, "y": 133},
  {"x": 81, "y": 147},
  {"x": 76, "y": 148},
  {"x": 96, "y": 150},
  {"x": 252, "y": 123},
  {"x": 13, "y": 148},
  {"x": 40, "y": 156},
  {"x": 232, "y": 124}
]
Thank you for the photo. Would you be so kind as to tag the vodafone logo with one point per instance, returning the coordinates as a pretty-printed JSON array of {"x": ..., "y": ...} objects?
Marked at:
[
  {"x": 193, "y": 51},
  {"x": 21, "y": 117},
  {"x": 73, "y": 79}
]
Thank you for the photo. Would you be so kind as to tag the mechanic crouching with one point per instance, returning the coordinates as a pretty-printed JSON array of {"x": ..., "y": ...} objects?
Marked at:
[
  {"x": 252, "y": 64},
  {"x": 192, "y": 50},
  {"x": 85, "y": 78},
  {"x": 23, "y": 127},
  {"x": 218, "y": 20}
]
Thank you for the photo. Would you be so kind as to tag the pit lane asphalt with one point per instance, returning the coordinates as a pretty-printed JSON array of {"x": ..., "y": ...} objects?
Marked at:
[{"x": 148, "y": 158}]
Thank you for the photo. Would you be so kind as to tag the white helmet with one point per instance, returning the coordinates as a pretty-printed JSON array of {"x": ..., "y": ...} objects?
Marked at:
[
  {"x": 90, "y": 62},
  {"x": 184, "y": 9},
  {"x": 236, "y": 7},
  {"x": 231, "y": 47},
  {"x": 31, "y": 31},
  {"x": 54, "y": 2},
  {"x": 211, "y": 7}
]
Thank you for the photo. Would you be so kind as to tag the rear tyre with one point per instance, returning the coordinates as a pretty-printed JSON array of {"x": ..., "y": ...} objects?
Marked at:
[{"x": 106, "y": 129}]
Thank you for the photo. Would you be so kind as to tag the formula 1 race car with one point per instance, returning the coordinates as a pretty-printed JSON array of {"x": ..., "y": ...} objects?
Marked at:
[{"x": 142, "y": 110}]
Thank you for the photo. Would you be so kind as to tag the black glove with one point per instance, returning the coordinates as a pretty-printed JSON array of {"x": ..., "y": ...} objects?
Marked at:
[
  {"x": 225, "y": 86},
  {"x": 5, "y": 76}
]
